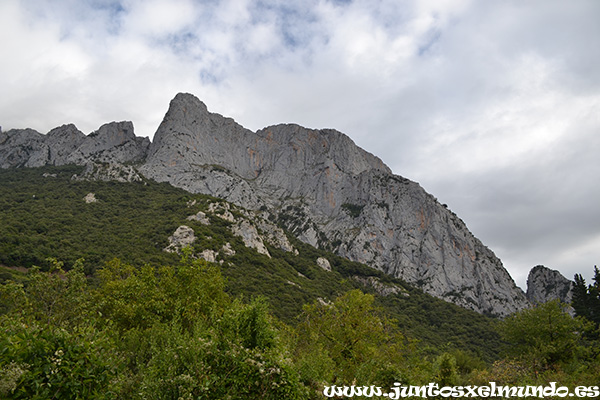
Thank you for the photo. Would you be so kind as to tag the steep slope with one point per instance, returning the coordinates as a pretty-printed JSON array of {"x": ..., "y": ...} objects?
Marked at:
[
  {"x": 331, "y": 194},
  {"x": 45, "y": 213}
]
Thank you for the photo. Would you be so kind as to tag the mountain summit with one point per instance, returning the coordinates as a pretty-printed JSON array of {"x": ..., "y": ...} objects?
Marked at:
[{"x": 317, "y": 184}]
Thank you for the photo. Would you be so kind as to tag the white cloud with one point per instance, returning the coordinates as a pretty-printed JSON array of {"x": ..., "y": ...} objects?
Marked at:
[{"x": 159, "y": 17}]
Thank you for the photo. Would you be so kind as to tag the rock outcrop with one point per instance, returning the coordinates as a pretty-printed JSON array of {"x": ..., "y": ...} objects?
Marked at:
[
  {"x": 324, "y": 263},
  {"x": 182, "y": 237},
  {"x": 108, "y": 172},
  {"x": 381, "y": 288},
  {"x": 90, "y": 198},
  {"x": 199, "y": 217},
  {"x": 255, "y": 231},
  {"x": 114, "y": 142},
  {"x": 275, "y": 236},
  {"x": 317, "y": 184},
  {"x": 250, "y": 236},
  {"x": 545, "y": 284}
]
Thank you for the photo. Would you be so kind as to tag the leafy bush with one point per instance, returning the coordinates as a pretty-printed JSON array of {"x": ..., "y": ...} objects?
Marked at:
[
  {"x": 545, "y": 334},
  {"x": 54, "y": 363},
  {"x": 346, "y": 341}
]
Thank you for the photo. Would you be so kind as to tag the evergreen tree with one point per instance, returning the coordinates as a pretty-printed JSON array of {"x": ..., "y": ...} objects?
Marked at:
[
  {"x": 580, "y": 301},
  {"x": 586, "y": 298}
]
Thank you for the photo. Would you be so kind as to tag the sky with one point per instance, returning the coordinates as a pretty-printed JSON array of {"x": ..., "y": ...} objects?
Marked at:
[{"x": 492, "y": 106}]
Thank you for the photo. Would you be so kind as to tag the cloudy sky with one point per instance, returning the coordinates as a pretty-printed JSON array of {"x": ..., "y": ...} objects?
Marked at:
[{"x": 492, "y": 106}]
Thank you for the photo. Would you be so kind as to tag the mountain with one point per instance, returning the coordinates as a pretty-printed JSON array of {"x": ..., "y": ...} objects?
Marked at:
[
  {"x": 47, "y": 215},
  {"x": 545, "y": 284},
  {"x": 316, "y": 184}
]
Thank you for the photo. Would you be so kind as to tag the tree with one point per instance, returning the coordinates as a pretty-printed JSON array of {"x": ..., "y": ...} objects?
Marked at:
[
  {"x": 544, "y": 335},
  {"x": 586, "y": 299},
  {"x": 348, "y": 340},
  {"x": 190, "y": 292},
  {"x": 447, "y": 373},
  {"x": 51, "y": 347},
  {"x": 151, "y": 332}
]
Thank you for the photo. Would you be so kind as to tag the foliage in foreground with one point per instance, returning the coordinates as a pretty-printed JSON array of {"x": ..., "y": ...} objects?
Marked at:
[
  {"x": 174, "y": 333},
  {"x": 151, "y": 328},
  {"x": 149, "y": 333}
]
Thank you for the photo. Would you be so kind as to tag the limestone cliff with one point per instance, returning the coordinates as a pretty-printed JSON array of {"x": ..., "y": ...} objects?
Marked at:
[
  {"x": 317, "y": 184},
  {"x": 330, "y": 193},
  {"x": 545, "y": 284},
  {"x": 114, "y": 142}
]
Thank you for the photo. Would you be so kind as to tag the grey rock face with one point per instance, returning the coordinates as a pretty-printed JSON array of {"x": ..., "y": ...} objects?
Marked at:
[
  {"x": 330, "y": 193},
  {"x": 63, "y": 142},
  {"x": 227, "y": 249},
  {"x": 381, "y": 288},
  {"x": 545, "y": 284},
  {"x": 22, "y": 148},
  {"x": 250, "y": 226},
  {"x": 324, "y": 263},
  {"x": 109, "y": 172},
  {"x": 200, "y": 217},
  {"x": 209, "y": 255},
  {"x": 182, "y": 237},
  {"x": 114, "y": 142},
  {"x": 250, "y": 236},
  {"x": 275, "y": 236}
]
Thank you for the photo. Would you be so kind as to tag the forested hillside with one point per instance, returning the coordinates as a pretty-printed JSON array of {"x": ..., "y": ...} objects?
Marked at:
[
  {"x": 92, "y": 306},
  {"x": 47, "y": 217}
]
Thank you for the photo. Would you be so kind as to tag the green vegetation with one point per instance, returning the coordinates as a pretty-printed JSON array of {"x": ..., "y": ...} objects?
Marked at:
[
  {"x": 546, "y": 345},
  {"x": 113, "y": 316},
  {"x": 147, "y": 333},
  {"x": 331, "y": 346},
  {"x": 586, "y": 299},
  {"x": 353, "y": 210},
  {"x": 171, "y": 332},
  {"x": 46, "y": 216}
]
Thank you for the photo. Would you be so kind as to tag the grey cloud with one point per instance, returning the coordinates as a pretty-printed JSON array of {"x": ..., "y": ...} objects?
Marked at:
[{"x": 541, "y": 211}]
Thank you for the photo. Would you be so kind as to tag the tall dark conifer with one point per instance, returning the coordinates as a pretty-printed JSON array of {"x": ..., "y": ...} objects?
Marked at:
[
  {"x": 580, "y": 300},
  {"x": 586, "y": 298},
  {"x": 594, "y": 297}
]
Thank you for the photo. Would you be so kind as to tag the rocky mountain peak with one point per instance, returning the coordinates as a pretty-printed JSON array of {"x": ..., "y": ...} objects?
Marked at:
[
  {"x": 327, "y": 147},
  {"x": 545, "y": 284},
  {"x": 331, "y": 194},
  {"x": 183, "y": 101},
  {"x": 114, "y": 142},
  {"x": 62, "y": 142},
  {"x": 67, "y": 131},
  {"x": 190, "y": 134},
  {"x": 22, "y": 148},
  {"x": 114, "y": 133}
]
